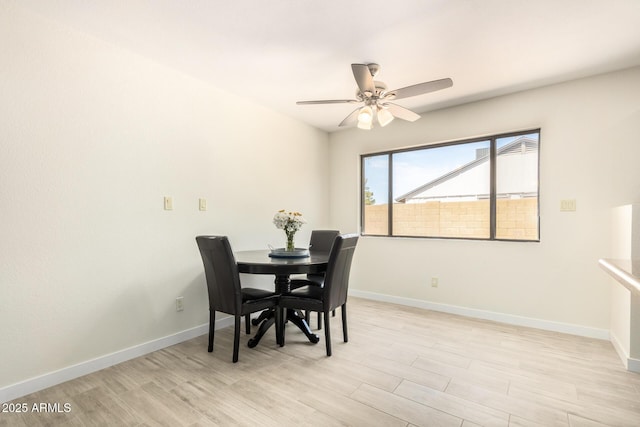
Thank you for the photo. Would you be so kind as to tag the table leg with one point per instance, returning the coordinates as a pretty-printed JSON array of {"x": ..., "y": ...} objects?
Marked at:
[
  {"x": 264, "y": 326},
  {"x": 283, "y": 286},
  {"x": 260, "y": 318},
  {"x": 302, "y": 324}
]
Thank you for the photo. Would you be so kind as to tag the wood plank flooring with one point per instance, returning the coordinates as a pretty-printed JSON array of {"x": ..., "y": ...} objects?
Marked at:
[{"x": 402, "y": 367}]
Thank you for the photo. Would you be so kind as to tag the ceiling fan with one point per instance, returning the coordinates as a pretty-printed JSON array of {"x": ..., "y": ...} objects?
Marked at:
[{"x": 376, "y": 97}]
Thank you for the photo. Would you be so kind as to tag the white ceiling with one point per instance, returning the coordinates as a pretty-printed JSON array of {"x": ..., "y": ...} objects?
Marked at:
[{"x": 277, "y": 52}]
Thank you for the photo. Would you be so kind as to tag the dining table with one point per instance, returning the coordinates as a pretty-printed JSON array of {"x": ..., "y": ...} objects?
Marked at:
[{"x": 263, "y": 262}]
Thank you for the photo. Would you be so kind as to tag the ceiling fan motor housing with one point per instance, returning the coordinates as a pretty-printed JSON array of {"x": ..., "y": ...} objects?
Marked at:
[{"x": 380, "y": 92}]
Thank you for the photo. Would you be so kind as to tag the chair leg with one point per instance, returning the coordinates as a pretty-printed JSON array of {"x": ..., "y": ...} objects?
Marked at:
[
  {"x": 282, "y": 316},
  {"x": 279, "y": 328},
  {"x": 327, "y": 332},
  {"x": 319, "y": 320},
  {"x": 212, "y": 323},
  {"x": 344, "y": 322},
  {"x": 236, "y": 337},
  {"x": 307, "y": 316},
  {"x": 247, "y": 323},
  {"x": 334, "y": 313}
]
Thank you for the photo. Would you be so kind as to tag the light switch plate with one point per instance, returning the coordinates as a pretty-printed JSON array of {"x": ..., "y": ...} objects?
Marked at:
[
  {"x": 202, "y": 204},
  {"x": 568, "y": 205}
]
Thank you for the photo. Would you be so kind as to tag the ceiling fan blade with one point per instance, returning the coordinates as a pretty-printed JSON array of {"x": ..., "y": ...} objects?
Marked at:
[
  {"x": 329, "y": 101},
  {"x": 420, "y": 88},
  {"x": 401, "y": 112},
  {"x": 351, "y": 118},
  {"x": 363, "y": 77}
]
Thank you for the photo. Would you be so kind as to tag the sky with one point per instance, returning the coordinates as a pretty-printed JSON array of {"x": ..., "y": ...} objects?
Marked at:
[{"x": 417, "y": 167}]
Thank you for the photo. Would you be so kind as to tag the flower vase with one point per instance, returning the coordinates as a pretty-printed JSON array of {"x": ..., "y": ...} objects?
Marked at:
[{"x": 290, "y": 243}]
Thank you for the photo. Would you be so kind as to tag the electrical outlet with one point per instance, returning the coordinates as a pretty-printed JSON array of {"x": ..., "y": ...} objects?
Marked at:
[
  {"x": 434, "y": 282},
  {"x": 179, "y": 303},
  {"x": 168, "y": 203}
]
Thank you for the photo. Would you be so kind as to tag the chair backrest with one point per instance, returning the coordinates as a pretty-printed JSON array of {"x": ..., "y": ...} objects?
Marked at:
[
  {"x": 336, "y": 282},
  {"x": 221, "y": 273},
  {"x": 322, "y": 240}
]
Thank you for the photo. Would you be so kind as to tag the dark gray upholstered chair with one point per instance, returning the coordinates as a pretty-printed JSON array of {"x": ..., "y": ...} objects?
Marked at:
[
  {"x": 328, "y": 297},
  {"x": 321, "y": 241},
  {"x": 225, "y": 292}
]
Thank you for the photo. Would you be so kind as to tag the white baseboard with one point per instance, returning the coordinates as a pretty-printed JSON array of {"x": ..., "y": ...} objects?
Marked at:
[
  {"x": 50, "y": 379},
  {"x": 630, "y": 363},
  {"x": 511, "y": 319},
  {"x": 633, "y": 365}
]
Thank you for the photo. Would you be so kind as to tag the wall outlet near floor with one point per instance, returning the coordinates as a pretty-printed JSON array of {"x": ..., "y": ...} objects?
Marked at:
[
  {"x": 434, "y": 282},
  {"x": 179, "y": 303}
]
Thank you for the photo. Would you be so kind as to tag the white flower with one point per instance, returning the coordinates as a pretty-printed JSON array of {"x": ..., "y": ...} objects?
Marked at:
[{"x": 290, "y": 222}]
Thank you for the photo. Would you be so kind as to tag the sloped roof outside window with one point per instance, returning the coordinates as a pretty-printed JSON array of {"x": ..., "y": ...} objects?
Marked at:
[{"x": 516, "y": 165}]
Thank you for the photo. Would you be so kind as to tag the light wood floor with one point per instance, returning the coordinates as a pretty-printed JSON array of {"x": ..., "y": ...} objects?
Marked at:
[{"x": 401, "y": 367}]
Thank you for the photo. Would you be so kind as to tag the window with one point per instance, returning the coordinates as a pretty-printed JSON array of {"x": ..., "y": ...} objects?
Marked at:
[{"x": 485, "y": 188}]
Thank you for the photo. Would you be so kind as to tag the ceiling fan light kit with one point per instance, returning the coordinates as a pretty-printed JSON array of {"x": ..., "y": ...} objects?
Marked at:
[
  {"x": 384, "y": 116},
  {"x": 365, "y": 117},
  {"x": 374, "y": 95},
  {"x": 366, "y": 113}
]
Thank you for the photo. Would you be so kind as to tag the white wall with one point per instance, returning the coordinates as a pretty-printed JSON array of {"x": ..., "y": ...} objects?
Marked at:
[
  {"x": 589, "y": 152},
  {"x": 92, "y": 138}
]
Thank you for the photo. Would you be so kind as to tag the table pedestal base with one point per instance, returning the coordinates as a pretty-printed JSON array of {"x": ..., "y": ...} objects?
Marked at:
[
  {"x": 264, "y": 327},
  {"x": 267, "y": 318},
  {"x": 298, "y": 319}
]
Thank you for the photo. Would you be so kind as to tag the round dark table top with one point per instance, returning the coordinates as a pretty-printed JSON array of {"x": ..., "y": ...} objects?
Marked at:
[{"x": 259, "y": 262}]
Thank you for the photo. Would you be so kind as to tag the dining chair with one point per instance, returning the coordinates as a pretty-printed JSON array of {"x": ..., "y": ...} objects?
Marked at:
[
  {"x": 328, "y": 297},
  {"x": 321, "y": 241},
  {"x": 225, "y": 291}
]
